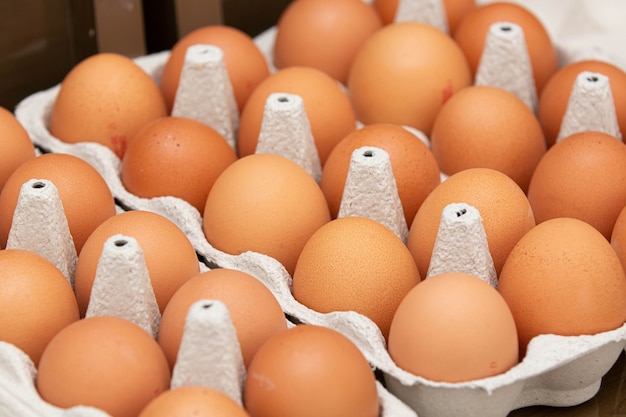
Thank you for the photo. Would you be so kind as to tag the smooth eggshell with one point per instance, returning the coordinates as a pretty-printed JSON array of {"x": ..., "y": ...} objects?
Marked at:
[
  {"x": 16, "y": 146},
  {"x": 193, "y": 401}
]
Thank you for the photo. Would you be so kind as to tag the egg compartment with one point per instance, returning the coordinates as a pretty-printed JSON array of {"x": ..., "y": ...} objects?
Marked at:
[{"x": 557, "y": 371}]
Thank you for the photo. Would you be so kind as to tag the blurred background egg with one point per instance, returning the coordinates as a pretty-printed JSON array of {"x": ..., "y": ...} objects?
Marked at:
[
  {"x": 414, "y": 166},
  {"x": 106, "y": 362},
  {"x": 327, "y": 107},
  {"x": 470, "y": 332},
  {"x": 472, "y": 31},
  {"x": 563, "y": 277},
  {"x": 105, "y": 98},
  {"x": 264, "y": 203},
  {"x": 310, "y": 370},
  {"x": 355, "y": 264},
  {"x": 404, "y": 73},
  {"x": 86, "y": 197},
  {"x": 555, "y": 96},
  {"x": 244, "y": 61},
  {"x": 324, "y": 34},
  {"x": 255, "y": 312},
  {"x": 16, "y": 146},
  {"x": 193, "y": 401},
  {"x": 175, "y": 156},
  {"x": 582, "y": 176},
  {"x": 488, "y": 127},
  {"x": 36, "y": 301},
  {"x": 169, "y": 255},
  {"x": 505, "y": 211}
]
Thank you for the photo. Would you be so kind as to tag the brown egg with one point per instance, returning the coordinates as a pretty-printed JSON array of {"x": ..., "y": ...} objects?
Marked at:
[
  {"x": 582, "y": 176},
  {"x": 470, "y": 332},
  {"x": 169, "y": 255},
  {"x": 264, "y": 203},
  {"x": 488, "y": 127},
  {"x": 327, "y": 107},
  {"x": 414, "y": 166},
  {"x": 355, "y": 264},
  {"x": 255, "y": 312},
  {"x": 563, "y": 277},
  {"x": 618, "y": 237},
  {"x": 555, "y": 95},
  {"x": 472, "y": 31},
  {"x": 175, "y": 156},
  {"x": 105, "y": 98},
  {"x": 245, "y": 63},
  {"x": 193, "y": 401},
  {"x": 404, "y": 73},
  {"x": 310, "y": 370},
  {"x": 36, "y": 301},
  {"x": 105, "y": 362},
  {"x": 323, "y": 34},
  {"x": 86, "y": 197},
  {"x": 505, "y": 211},
  {"x": 16, "y": 146}
]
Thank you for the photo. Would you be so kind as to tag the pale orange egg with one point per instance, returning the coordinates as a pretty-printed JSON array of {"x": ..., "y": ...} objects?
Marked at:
[
  {"x": 618, "y": 237},
  {"x": 244, "y": 61},
  {"x": 169, "y": 255},
  {"x": 16, "y": 146},
  {"x": 404, "y": 73},
  {"x": 488, "y": 127},
  {"x": 310, "y": 370},
  {"x": 327, "y": 107},
  {"x": 472, "y": 30},
  {"x": 86, "y": 197},
  {"x": 323, "y": 34},
  {"x": 563, "y": 277},
  {"x": 36, "y": 301},
  {"x": 469, "y": 332},
  {"x": 105, "y": 362},
  {"x": 414, "y": 166},
  {"x": 505, "y": 211},
  {"x": 105, "y": 98},
  {"x": 264, "y": 203},
  {"x": 254, "y": 310},
  {"x": 193, "y": 401},
  {"x": 582, "y": 176},
  {"x": 355, "y": 264},
  {"x": 175, "y": 156},
  {"x": 455, "y": 10},
  {"x": 555, "y": 95}
]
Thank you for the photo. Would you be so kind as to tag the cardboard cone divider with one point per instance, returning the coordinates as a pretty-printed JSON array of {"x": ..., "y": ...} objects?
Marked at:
[
  {"x": 556, "y": 371},
  {"x": 431, "y": 12}
]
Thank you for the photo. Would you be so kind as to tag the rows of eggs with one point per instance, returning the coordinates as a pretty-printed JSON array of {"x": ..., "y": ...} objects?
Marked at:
[{"x": 291, "y": 267}]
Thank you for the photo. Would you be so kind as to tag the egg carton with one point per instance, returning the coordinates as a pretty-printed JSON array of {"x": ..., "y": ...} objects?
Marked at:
[{"x": 556, "y": 371}]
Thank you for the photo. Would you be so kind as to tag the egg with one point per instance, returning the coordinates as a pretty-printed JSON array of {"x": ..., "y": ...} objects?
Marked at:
[
  {"x": 105, "y": 362},
  {"x": 404, "y": 73},
  {"x": 327, "y": 107},
  {"x": 169, "y": 255},
  {"x": 36, "y": 301},
  {"x": 264, "y": 203},
  {"x": 470, "y": 332},
  {"x": 254, "y": 310},
  {"x": 618, "y": 236},
  {"x": 310, "y": 370},
  {"x": 193, "y": 401},
  {"x": 472, "y": 30},
  {"x": 555, "y": 96},
  {"x": 323, "y": 34},
  {"x": 355, "y": 264},
  {"x": 244, "y": 61},
  {"x": 488, "y": 127},
  {"x": 582, "y": 176},
  {"x": 105, "y": 99},
  {"x": 563, "y": 277},
  {"x": 16, "y": 146},
  {"x": 414, "y": 166},
  {"x": 175, "y": 156},
  {"x": 504, "y": 208},
  {"x": 86, "y": 197}
]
